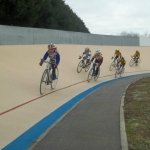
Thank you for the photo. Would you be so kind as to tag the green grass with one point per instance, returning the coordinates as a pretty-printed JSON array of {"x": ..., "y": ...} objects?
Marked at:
[{"x": 137, "y": 114}]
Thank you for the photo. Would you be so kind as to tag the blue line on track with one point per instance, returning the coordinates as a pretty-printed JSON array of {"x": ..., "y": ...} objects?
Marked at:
[{"x": 25, "y": 140}]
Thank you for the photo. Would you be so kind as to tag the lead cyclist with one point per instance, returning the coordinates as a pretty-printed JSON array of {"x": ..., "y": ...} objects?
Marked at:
[{"x": 54, "y": 56}]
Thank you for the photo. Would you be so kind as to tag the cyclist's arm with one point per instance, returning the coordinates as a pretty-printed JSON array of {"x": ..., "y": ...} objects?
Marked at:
[
  {"x": 101, "y": 62},
  {"x": 45, "y": 56},
  {"x": 83, "y": 54},
  {"x": 92, "y": 59},
  {"x": 57, "y": 58}
]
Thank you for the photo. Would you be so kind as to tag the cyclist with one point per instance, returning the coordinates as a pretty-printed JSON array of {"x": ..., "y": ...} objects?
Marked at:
[
  {"x": 86, "y": 55},
  {"x": 98, "y": 59},
  {"x": 136, "y": 56},
  {"x": 117, "y": 55},
  {"x": 122, "y": 62},
  {"x": 54, "y": 56}
]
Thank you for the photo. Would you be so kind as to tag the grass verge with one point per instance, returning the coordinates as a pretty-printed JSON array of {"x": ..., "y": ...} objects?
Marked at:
[{"x": 137, "y": 114}]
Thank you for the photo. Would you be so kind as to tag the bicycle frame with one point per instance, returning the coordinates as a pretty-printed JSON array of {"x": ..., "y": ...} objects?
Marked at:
[
  {"x": 48, "y": 68},
  {"x": 95, "y": 65}
]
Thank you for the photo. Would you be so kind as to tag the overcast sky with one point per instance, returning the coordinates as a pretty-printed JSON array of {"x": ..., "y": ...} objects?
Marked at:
[{"x": 113, "y": 16}]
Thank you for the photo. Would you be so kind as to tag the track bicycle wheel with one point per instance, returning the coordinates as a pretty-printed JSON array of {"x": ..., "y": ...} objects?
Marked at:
[
  {"x": 54, "y": 81},
  {"x": 117, "y": 65},
  {"x": 118, "y": 73},
  {"x": 112, "y": 66},
  {"x": 80, "y": 66},
  {"x": 90, "y": 75},
  {"x": 87, "y": 67},
  {"x": 131, "y": 62},
  {"x": 97, "y": 76},
  {"x": 139, "y": 60},
  {"x": 44, "y": 82}
]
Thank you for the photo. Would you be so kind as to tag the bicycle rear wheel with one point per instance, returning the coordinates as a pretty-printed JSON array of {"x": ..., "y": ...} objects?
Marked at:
[
  {"x": 97, "y": 76},
  {"x": 44, "y": 82},
  {"x": 90, "y": 75},
  {"x": 54, "y": 80},
  {"x": 80, "y": 66},
  {"x": 131, "y": 62},
  {"x": 112, "y": 66}
]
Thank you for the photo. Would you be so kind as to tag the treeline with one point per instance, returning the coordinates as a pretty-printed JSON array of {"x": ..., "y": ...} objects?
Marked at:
[
  {"x": 50, "y": 14},
  {"x": 134, "y": 34}
]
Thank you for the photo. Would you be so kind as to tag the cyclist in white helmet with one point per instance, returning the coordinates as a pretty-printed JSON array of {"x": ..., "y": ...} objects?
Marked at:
[
  {"x": 98, "y": 59},
  {"x": 86, "y": 55}
]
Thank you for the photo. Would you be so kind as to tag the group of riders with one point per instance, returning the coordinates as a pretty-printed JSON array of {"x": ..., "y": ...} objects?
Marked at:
[{"x": 54, "y": 56}]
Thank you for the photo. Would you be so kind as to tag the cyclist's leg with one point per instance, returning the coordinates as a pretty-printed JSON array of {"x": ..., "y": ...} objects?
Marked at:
[
  {"x": 115, "y": 59},
  {"x": 123, "y": 65},
  {"x": 87, "y": 61},
  {"x": 53, "y": 72},
  {"x": 97, "y": 69},
  {"x": 137, "y": 59},
  {"x": 94, "y": 71}
]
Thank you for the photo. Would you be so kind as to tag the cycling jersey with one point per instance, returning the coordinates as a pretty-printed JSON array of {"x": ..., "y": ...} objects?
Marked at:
[
  {"x": 98, "y": 59},
  {"x": 122, "y": 61},
  {"x": 137, "y": 55},
  {"x": 118, "y": 54},
  {"x": 55, "y": 57},
  {"x": 87, "y": 55}
]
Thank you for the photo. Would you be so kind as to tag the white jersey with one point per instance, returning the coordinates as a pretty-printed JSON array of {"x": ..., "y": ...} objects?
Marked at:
[
  {"x": 87, "y": 55},
  {"x": 52, "y": 56}
]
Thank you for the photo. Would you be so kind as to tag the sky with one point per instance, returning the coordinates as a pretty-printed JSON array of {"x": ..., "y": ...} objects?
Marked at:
[{"x": 111, "y": 17}]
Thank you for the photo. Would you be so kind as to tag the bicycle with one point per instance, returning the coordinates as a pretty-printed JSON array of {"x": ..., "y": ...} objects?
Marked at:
[
  {"x": 82, "y": 65},
  {"x": 135, "y": 61},
  {"x": 113, "y": 65},
  {"x": 119, "y": 71},
  {"x": 48, "y": 78},
  {"x": 92, "y": 72}
]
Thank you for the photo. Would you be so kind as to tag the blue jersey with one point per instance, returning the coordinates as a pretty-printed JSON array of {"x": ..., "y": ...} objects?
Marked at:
[{"x": 53, "y": 56}]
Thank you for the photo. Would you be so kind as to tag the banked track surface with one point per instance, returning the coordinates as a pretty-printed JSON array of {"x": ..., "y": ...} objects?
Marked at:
[{"x": 20, "y": 77}]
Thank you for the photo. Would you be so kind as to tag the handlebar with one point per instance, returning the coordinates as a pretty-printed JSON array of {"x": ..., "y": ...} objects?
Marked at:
[{"x": 49, "y": 62}]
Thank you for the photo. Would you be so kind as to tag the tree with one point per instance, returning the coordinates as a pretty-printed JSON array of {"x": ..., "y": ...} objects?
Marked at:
[{"x": 50, "y": 14}]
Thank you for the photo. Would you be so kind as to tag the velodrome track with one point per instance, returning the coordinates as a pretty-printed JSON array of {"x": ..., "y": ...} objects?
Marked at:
[{"x": 22, "y": 106}]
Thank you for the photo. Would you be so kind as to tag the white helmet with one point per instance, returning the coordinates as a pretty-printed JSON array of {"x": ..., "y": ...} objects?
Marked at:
[
  {"x": 97, "y": 51},
  {"x": 87, "y": 49}
]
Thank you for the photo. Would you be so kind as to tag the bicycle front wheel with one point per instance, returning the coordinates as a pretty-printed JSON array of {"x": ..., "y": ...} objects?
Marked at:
[
  {"x": 117, "y": 74},
  {"x": 80, "y": 66},
  {"x": 131, "y": 62},
  {"x": 44, "y": 82},
  {"x": 90, "y": 75},
  {"x": 112, "y": 66},
  {"x": 122, "y": 72},
  {"x": 54, "y": 80}
]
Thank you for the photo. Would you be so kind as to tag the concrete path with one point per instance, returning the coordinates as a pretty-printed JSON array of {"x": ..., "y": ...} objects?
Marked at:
[{"x": 94, "y": 124}]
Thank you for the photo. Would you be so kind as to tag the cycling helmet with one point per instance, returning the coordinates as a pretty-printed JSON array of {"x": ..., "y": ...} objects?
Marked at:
[
  {"x": 52, "y": 45},
  {"x": 97, "y": 51},
  {"x": 117, "y": 50},
  {"x": 87, "y": 49},
  {"x": 137, "y": 51}
]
